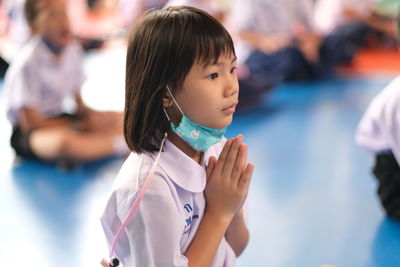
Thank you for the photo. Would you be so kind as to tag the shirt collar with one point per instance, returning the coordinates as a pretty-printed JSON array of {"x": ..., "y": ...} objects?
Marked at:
[
  {"x": 47, "y": 56},
  {"x": 182, "y": 169}
]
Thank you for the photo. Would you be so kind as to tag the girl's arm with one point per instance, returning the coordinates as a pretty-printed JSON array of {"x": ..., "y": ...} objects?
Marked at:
[
  {"x": 204, "y": 245},
  {"x": 237, "y": 233},
  {"x": 227, "y": 186}
]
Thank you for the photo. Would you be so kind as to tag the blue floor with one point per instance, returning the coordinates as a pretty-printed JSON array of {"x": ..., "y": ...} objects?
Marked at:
[{"x": 312, "y": 201}]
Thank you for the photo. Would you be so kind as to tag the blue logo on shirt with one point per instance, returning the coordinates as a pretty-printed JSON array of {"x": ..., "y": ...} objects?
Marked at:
[
  {"x": 188, "y": 208},
  {"x": 189, "y": 220}
]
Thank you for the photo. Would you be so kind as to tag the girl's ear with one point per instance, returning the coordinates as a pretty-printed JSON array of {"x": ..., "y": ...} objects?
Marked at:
[{"x": 167, "y": 100}]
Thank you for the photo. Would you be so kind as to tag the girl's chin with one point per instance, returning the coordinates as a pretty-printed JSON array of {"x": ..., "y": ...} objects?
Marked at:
[{"x": 227, "y": 121}]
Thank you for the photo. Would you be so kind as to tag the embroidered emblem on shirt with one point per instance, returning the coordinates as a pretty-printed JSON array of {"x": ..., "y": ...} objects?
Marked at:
[{"x": 190, "y": 218}]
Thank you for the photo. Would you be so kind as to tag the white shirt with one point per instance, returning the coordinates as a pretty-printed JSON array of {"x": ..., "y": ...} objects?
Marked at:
[
  {"x": 36, "y": 80},
  {"x": 18, "y": 29},
  {"x": 329, "y": 14},
  {"x": 169, "y": 214},
  {"x": 267, "y": 17},
  {"x": 379, "y": 128}
]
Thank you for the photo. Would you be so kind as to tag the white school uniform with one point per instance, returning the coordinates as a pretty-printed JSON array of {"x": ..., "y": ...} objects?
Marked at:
[
  {"x": 379, "y": 128},
  {"x": 169, "y": 214},
  {"x": 36, "y": 80}
]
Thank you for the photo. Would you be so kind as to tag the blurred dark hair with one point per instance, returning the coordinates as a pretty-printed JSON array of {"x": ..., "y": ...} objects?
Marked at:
[
  {"x": 162, "y": 48},
  {"x": 31, "y": 10}
]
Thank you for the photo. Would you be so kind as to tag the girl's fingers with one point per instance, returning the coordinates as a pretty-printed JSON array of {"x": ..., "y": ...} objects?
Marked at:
[
  {"x": 222, "y": 157},
  {"x": 240, "y": 163},
  {"x": 231, "y": 157},
  {"x": 246, "y": 177}
]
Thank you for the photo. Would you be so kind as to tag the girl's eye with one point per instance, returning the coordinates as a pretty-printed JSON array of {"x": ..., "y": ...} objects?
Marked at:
[
  {"x": 213, "y": 76},
  {"x": 233, "y": 70}
]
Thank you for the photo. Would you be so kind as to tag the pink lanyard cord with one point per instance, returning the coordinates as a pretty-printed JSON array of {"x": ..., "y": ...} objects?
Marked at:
[{"x": 135, "y": 206}]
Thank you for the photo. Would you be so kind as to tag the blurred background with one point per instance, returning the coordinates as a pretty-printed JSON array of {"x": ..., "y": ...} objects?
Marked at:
[{"x": 307, "y": 70}]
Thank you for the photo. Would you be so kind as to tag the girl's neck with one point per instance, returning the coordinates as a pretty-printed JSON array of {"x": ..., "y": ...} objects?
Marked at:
[{"x": 184, "y": 147}]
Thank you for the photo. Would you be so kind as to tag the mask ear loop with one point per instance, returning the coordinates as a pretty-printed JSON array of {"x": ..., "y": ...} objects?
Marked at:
[
  {"x": 166, "y": 114},
  {"x": 173, "y": 98},
  {"x": 133, "y": 210}
]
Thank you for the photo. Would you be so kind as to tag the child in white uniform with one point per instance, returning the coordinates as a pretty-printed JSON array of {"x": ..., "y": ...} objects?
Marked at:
[
  {"x": 45, "y": 75},
  {"x": 181, "y": 81},
  {"x": 379, "y": 133}
]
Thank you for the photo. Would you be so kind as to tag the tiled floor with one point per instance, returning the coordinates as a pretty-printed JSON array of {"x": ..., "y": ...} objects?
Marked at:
[{"x": 312, "y": 201}]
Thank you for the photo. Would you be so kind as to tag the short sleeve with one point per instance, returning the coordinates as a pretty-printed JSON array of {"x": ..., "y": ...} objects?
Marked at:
[
  {"x": 76, "y": 68},
  {"x": 306, "y": 13},
  {"x": 379, "y": 128},
  {"x": 390, "y": 124},
  {"x": 22, "y": 90},
  {"x": 153, "y": 236}
]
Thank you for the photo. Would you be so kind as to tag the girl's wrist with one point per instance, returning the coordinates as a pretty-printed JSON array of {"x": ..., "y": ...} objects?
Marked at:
[{"x": 219, "y": 217}]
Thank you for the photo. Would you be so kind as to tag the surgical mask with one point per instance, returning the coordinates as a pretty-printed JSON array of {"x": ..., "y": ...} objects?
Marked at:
[{"x": 198, "y": 136}]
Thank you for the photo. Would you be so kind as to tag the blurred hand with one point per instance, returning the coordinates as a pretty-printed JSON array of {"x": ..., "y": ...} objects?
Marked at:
[
  {"x": 351, "y": 14},
  {"x": 310, "y": 45},
  {"x": 273, "y": 43}
]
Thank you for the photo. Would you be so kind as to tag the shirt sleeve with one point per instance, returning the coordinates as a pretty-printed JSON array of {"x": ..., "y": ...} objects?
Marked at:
[
  {"x": 153, "y": 236},
  {"x": 22, "y": 90},
  {"x": 390, "y": 123},
  {"x": 306, "y": 11},
  {"x": 379, "y": 129},
  {"x": 77, "y": 67}
]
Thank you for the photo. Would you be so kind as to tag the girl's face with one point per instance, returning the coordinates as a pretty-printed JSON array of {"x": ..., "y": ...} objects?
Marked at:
[{"x": 209, "y": 94}]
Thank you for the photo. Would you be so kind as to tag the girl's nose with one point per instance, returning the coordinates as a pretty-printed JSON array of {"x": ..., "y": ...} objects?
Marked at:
[{"x": 232, "y": 86}]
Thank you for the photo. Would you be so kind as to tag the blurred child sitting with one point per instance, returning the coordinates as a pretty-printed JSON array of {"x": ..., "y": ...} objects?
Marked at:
[
  {"x": 40, "y": 81},
  {"x": 379, "y": 133},
  {"x": 276, "y": 41},
  {"x": 362, "y": 22}
]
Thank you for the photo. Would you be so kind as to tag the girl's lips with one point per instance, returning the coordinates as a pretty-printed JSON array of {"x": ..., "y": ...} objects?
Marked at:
[{"x": 229, "y": 110}]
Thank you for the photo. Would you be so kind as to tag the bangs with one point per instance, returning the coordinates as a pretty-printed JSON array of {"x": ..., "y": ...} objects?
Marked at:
[
  {"x": 211, "y": 43},
  {"x": 211, "y": 47},
  {"x": 197, "y": 37}
]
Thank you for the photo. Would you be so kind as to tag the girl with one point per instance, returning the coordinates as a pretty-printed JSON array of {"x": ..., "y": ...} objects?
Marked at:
[{"x": 181, "y": 93}]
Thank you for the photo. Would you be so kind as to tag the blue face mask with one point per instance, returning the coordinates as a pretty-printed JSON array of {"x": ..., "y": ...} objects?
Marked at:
[{"x": 199, "y": 137}]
